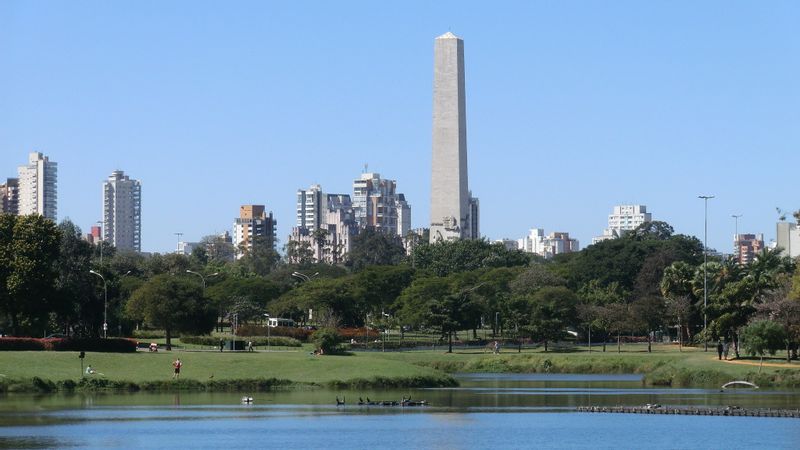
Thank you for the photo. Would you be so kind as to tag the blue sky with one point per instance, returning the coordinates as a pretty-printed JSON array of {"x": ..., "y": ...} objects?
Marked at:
[{"x": 572, "y": 107}]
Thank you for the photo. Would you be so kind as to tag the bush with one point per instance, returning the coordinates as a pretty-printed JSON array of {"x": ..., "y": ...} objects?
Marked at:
[
  {"x": 213, "y": 341},
  {"x": 19, "y": 344},
  {"x": 152, "y": 334},
  {"x": 358, "y": 333},
  {"x": 300, "y": 334},
  {"x": 327, "y": 340},
  {"x": 109, "y": 345}
]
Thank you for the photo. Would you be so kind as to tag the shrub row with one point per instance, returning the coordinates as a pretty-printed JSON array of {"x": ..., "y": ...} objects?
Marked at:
[
  {"x": 110, "y": 345},
  {"x": 213, "y": 341},
  {"x": 301, "y": 334},
  {"x": 152, "y": 334}
]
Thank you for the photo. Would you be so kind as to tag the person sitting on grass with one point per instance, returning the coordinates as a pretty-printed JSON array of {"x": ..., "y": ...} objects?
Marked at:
[{"x": 90, "y": 371}]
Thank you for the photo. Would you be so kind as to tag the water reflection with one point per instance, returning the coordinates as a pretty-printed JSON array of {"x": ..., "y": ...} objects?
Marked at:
[{"x": 486, "y": 411}]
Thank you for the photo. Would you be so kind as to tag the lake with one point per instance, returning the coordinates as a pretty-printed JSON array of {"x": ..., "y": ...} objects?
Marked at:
[{"x": 486, "y": 411}]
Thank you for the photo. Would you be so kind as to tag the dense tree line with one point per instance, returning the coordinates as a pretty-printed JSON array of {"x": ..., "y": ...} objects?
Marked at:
[{"x": 649, "y": 281}]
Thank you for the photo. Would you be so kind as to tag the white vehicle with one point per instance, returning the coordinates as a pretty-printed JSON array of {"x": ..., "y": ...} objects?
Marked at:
[{"x": 278, "y": 322}]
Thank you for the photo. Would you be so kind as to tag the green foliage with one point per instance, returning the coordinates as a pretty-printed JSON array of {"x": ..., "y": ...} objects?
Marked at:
[
  {"x": 29, "y": 248},
  {"x": 762, "y": 337},
  {"x": 553, "y": 309},
  {"x": 213, "y": 341},
  {"x": 172, "y": 303},
  {"x": 371, "y": 247},
  {"x": 327, "y": 340},
  {"x": 446, "y": 257}
]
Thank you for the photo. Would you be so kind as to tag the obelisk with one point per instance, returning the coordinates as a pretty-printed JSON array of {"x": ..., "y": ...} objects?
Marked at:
[{"x": 452, "y": 209}]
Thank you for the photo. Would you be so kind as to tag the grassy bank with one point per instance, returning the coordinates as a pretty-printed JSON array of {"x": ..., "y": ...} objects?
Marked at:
[
  {"x": 258, "y": 371},
  {"x": 210, "y": 371},
  {"x": 664, "y": 367}
]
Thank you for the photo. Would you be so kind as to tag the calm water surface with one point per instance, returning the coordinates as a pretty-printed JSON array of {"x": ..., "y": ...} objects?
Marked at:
[{"x": 486, "y": 411}]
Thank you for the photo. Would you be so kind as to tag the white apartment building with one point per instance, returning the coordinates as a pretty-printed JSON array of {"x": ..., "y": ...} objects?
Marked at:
[
  {"x": 788, "y": 239},
  {"x": 623, "y": 219},
  {"x": 38, "y": 192},
  {"x": 330, "y": 212},
  {"x": 122, "y": 212},
  {"x": 548, "y": 246},
  {"x": 311, "y": 207}
]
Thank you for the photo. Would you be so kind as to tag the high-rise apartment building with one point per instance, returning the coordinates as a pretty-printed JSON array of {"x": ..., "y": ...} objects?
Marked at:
[
  {"x": 9, "y": 196},
  {"x": 454, "y": 213},
  {"x": 310, "y": 207},
  {"x": 623, "y": 219},
  {"x": 122, "y": 212},
  {"x": 788, "y": 239},
  {"x": 748, "y": 247},
  {"x": 376, "y": 204},
  {"x": 253, "y": 221},
  {"x": 331, "y": 213},
  {"x": 38, "y": 186}
]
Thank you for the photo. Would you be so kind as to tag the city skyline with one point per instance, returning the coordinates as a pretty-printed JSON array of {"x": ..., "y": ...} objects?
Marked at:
[{"x": 591, "y": 107}]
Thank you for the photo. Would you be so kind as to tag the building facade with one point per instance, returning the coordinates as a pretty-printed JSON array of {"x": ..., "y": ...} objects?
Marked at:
[
  {"x": 38, "y": 186},
  {"x": 454, "y": 213},
  {"x": 9, "y": 196},
  {"x": 788, "y": 239},
  {"x": 333, "y": 215},
  {"x": 122, "y": 212},
  {"x": 623, "y": 219},
  {"x": 549, "y": 245},
  {"x": 253, "y": 222},
  {"x": 748, "y": 247},
  {"x": 310, "y": 207},
  {"x": 376, "y": 204}
]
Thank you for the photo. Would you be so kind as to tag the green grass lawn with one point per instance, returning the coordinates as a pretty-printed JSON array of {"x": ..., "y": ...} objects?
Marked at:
[{"x": 664, "y": 366}]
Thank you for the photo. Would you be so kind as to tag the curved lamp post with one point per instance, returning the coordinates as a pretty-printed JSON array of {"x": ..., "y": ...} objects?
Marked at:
[
  {"x": 105, "y": 303},
  {"x": 303, "y": 276},
  {"x": 202, "y": 277}
]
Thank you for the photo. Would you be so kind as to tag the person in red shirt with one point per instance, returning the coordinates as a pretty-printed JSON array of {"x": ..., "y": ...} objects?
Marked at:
[{"x": 177, "y": 365}]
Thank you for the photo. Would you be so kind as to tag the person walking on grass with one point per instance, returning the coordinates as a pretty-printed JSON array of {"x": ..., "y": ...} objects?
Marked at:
[
  {"x": 719, "y": 350},
  {"x": 177, "y": 365}
]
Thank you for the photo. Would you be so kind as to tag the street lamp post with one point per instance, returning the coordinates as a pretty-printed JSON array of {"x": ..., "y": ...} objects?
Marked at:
[
  {"x": 705, "y": 270},
  {"x": 303, "y": 276},
  {"x": 268, "y": 330},
  {"x": 105, "y": 303},
  {"x": 202, "y": 277},
  {"x": 736, "y": 233}
]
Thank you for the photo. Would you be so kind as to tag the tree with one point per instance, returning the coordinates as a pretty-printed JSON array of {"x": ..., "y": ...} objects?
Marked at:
[
  {"x": 260, "y": 258},
  {"x": 371, "y": 247},
  {"x": 300, "y": 253},
  {"x": 29, "y": 247},
  {"x": 617, "y": 318},
  {"x": 533, "y": 278},
  {"x": 411, "y": 306},
  {"x": 446, "y": 257},
  {"x": 553, "y": 309},
  {"x": 450, "y": 313},
  {"x": 763, "y": 336},
  {"x": 79, "y": 304},
  {"x": 218, "y": 247},
  {"x": 648, "y": 314},
  {"x": 172, "y": 303}
]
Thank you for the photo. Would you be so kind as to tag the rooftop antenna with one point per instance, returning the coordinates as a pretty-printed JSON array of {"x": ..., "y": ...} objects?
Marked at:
[{"x": 366, "y": 167}]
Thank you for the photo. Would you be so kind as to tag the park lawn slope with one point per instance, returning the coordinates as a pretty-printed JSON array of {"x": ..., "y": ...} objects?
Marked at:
[
  {"x": 212, "y": 371},
  {"x": 662, "y": 367}
]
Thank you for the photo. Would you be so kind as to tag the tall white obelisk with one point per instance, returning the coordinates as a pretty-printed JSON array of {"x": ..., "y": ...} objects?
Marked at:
[{"x": 454, "y": 214}]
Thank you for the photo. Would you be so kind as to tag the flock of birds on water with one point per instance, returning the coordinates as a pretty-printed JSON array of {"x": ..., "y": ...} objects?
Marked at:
[{"x": 247, "y": 400}]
